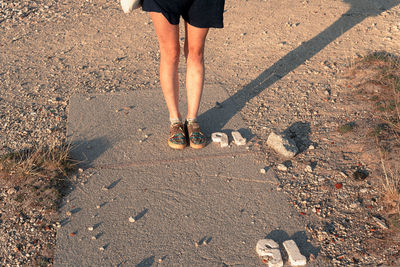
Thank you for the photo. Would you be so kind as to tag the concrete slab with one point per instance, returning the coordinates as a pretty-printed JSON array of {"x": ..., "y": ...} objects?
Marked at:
[
  {"x": 179, "y": 199},
  {"x": 109, "y": 129},
  {"x": 175, "y": 207}
]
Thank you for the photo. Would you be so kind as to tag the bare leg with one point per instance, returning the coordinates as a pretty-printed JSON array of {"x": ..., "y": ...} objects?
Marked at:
[
  {"x": 168, "y": 39},
  {"x": 194, "y": 53}
]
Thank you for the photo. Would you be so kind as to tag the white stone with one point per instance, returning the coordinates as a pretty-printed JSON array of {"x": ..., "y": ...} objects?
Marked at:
[
  {"x": 11, "y": 191},
  {"x": 269, "y": 248},
  {"x": 90, "y": 228},
  {"x": 132, "y": 220},
  {"x": 216, "y": 137},
  {"x": 224, "y": 140},
  {"x": 308, "y": 168},
  {"x": 239, "y": 140},
  {"x": 221, "y": 138},
  {"x": 282, "y": 145},
  {"x": 380, "y": 222},
  {"x": 363, "y": 190},
  {"x": 263, "y": 171},
  {"x": 294, "y": 255},
  {"x": 282, "y": 167}
]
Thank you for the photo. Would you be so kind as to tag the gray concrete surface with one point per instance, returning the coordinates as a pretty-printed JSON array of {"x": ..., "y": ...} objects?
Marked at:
[{"x": 178, "y": 198}]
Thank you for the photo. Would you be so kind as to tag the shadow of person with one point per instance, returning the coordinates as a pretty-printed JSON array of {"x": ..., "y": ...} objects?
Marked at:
[{"x": 359, "y": 10}]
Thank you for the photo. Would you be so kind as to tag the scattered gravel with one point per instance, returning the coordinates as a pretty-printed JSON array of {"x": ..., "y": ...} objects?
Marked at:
[{"x": 50, "y": 50}]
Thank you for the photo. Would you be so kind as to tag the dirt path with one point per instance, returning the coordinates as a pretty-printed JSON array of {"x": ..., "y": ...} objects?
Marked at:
[{"x": 280, "y": 62}]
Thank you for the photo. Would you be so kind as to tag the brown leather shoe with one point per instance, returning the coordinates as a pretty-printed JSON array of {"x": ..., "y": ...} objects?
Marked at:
[
  {"x": 177, "y": 137},
  {"x": 196, "y": 137}
]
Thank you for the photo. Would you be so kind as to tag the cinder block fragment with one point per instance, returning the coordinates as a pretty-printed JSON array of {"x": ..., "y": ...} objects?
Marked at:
[
  {"x": 224, "y": 140},
  {"x": 294, "y": 255},
  {"x": 221, "y": 138},
  {"x": 269, "y": 248},
  {"x": 239, "y": 140},
  {"x": 216, "y": 137}
]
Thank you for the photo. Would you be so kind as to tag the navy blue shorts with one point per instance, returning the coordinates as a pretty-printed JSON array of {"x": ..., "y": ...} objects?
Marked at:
[{"x": 198, "y": 13}]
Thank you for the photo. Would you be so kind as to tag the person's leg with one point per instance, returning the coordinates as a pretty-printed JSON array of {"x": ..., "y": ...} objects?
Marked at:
[
  {"x": 168, "y": 38},
  {"x": 194, "y": 53}
]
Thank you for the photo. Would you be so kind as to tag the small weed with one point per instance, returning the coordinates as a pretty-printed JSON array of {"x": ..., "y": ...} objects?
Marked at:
[
  {"x": 19, "y": 197},
  {"x": 40, "y": 173},
  {"x": 43, "y": 262},
  {"x": 391, "y": 184},
  {"x": 345, "y": 128}
]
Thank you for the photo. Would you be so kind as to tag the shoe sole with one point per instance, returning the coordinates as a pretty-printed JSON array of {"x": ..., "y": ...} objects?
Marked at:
[
  {"x": 197, "y": 146},
  {"x": 176, "y": 146}
]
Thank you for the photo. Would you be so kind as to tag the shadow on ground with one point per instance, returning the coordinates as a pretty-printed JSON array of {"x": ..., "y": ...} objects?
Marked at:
[
  {"x": 85, "y": 152},
  {"x": 359, "y": 10},
  {"x": 300, "y": 238}
]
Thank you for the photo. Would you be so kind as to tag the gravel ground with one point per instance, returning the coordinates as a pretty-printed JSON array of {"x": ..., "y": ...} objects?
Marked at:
[{"x": 50, "y": 50}]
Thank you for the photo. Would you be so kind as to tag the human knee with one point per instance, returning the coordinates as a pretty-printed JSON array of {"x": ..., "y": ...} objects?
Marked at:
[
  {"x": 170, "y": 55},
  {"x": 195, "y": 54}
]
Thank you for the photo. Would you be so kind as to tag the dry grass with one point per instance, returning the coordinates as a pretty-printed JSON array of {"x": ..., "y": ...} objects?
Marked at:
[
  {"x": 42, "y": 161},
  {"x": 391, "y": 185},
  {"x": 377, "y": 79},
  {"x": 39, "y": 174}
]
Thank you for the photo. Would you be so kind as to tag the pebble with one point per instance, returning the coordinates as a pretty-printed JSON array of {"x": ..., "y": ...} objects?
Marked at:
[
  {"x": 132, "y": 220},
  {"x": 380, "y": 223},
  {"x": 90, "y": 228},
  {"x": 11, "y": 191},
  {"x": 308, "y": 168},
  {"x": 68, "y": 213},
  {"x": 282, "y": 167},
  {"x": 363, "y": 190},
  {"x": 263, "y": 171},
  {"x": 353, "y": 205}
]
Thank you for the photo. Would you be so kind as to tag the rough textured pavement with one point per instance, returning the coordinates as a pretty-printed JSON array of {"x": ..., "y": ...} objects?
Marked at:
[{"x": 178, "y": 198}]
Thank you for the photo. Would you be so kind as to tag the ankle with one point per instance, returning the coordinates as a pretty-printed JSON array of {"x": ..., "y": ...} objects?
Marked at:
[
  {"x": 175, "y": 120},
  {"x": 191, "y": 120}
]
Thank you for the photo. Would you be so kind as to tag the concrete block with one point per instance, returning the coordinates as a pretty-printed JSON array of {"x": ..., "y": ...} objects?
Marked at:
[
  {"x": 282, "y": 145},
  {"x": 294, "y": 255},
  {"x": 221, "y": 138},
  {"x": 216, "y": 137},
  {"x": 239, "y": 140},
  {"x": 268, "y": 248}
]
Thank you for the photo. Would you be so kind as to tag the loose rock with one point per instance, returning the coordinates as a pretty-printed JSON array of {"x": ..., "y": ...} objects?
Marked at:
[
  {"x": 282, "y": 145},
  {"x": 281, "y": 167}
]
